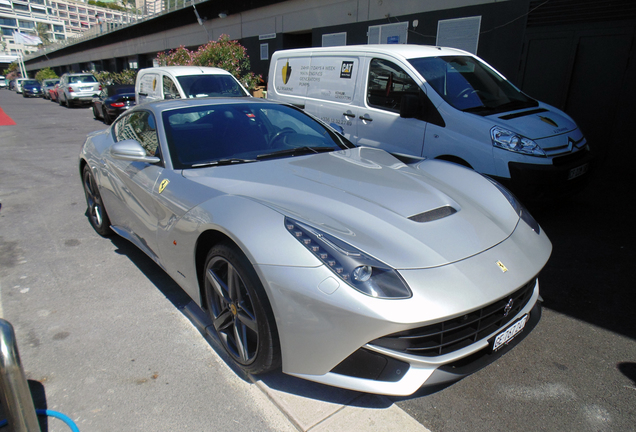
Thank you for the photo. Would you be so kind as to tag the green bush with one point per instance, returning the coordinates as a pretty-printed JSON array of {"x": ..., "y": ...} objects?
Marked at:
[
  {"x": 46, "y": 73},
  {"x": 127, "y": 76},
  {"x": 224, "y": 53}
]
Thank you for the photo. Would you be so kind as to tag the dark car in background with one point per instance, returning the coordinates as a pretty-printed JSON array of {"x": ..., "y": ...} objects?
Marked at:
[
  {"x": 112, "y": 101},
  {"x": 47, "y": 85},
  {"x": 31, "y": 88}
]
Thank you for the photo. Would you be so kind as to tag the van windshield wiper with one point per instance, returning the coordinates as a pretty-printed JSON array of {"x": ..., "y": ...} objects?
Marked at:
[
  {"x": 295, "y": 152},
  {"x": 220, "y": 162}
]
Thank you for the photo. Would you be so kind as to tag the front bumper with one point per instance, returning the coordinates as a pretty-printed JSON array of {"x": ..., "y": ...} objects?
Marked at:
[
  {"x": 567, "y": 175},
  {"x": 324, "y": 324}
]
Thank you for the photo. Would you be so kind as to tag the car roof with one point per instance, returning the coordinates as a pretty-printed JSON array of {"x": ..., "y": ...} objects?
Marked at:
[
  {"x": 166, "y": 105},
  {"x": 400, "y": 50}
]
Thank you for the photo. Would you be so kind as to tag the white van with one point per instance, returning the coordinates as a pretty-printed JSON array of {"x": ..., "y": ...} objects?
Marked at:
[
  {"x": 438, "y": 103},
  {"x": 181, "y": 82}
]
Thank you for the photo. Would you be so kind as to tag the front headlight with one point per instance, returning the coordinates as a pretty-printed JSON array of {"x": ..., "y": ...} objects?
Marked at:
[
  {"x": 360, "y": 271},
  {"x": 507, "y": 140},
  {"x": 522, "y": 212}
]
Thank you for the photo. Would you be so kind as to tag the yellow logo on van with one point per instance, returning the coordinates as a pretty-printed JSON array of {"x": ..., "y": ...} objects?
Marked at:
[
  {"x": 287, "y": 69},
  {"x": 154, "y": 84}
]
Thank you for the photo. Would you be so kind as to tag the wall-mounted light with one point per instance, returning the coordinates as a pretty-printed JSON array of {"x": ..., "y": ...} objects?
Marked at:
[{"x": 223, "y": 14}]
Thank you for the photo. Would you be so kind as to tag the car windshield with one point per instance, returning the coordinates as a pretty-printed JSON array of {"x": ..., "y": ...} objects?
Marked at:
[
  {"x": 30, "y": 82},
  {"x": 50, "y": 82},
  {"x": 234, "y": 133},
  {"x": 196, "y": 86},
  {"x": 82, "y": 79},
  {"x": 470, "y": 85}
]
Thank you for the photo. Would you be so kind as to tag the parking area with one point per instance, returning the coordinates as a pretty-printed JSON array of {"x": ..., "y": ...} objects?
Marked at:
[{"x": 112, "y": 343}]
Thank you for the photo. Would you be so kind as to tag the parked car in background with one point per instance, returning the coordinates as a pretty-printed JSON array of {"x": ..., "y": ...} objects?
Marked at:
[
  {"x": 112, "y": 101},
  {"x": 47, "y": 85},
  {"x": 3, "y": 82},
  {"x": 53, "y": 92},
  {"x": 77, "y": 89},
  {"x": 31, "y": 88},
  {"x": 352, "y": 266},
  {"x": 185, "y": 82},
  {"x": 18, "y": 84}
]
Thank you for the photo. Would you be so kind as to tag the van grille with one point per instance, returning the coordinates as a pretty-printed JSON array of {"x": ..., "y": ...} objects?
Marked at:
[{"x": 457, "y": 333}]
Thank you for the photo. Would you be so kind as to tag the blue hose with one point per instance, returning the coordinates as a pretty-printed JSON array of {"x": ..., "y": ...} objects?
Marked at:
[{"x": 51, "y": 413}]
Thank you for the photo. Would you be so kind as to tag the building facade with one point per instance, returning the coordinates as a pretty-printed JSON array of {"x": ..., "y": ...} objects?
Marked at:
[{"x": 63, "y": 19}]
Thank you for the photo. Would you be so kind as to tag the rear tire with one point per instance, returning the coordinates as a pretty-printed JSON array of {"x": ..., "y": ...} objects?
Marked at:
[
  {"x": 240, "y": 311},
  {"x": 107, "y": 119}
]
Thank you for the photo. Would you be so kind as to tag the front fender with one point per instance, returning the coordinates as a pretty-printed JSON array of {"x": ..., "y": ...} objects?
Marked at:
[{"x": 257, "y": 230}]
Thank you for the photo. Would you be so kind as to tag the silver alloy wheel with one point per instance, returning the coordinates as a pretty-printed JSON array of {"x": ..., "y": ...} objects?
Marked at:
[{"x": 232, "y": 311}]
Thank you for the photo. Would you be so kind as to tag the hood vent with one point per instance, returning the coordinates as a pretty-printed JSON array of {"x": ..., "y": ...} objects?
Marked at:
[{"x": 433, "y": 215}]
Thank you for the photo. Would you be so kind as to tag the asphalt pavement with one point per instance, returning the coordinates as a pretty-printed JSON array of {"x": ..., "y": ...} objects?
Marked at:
[{"x": 107, "y": 338}]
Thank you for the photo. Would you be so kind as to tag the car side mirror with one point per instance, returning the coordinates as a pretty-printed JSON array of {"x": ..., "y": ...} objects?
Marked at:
[
  {"x": 131, "y": 150},
  {"x": 409, "y": 106}
]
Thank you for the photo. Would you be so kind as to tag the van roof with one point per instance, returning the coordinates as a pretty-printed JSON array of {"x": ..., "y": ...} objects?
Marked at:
[
  {"x": 402, "y": 50},
  {"x": 187, "y": 70}
]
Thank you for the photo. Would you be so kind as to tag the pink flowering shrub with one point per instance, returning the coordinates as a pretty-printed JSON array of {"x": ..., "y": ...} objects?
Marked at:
[{"x": 223, "y": 53}]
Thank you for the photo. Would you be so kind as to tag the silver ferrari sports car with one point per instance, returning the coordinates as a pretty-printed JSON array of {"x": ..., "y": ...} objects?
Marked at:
[{"x": 345, "y": 265}]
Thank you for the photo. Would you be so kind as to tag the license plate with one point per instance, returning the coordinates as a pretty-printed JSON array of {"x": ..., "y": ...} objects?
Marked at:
[
  {"x": 578, "y": 171},
  {"x": 507, "y": 335}
]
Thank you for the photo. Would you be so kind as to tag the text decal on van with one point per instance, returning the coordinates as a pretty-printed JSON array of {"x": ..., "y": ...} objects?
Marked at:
[{"x": 346, "y": 71}]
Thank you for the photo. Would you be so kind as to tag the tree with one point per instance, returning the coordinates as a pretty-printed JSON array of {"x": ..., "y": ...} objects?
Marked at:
[
  {"x": 46, "y": 73},
  {"x": 224, "y": 53},
  {"x": 42, "y": 31}
]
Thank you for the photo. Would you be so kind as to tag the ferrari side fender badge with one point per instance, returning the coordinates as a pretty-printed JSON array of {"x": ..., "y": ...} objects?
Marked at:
[
  {"x": 502, "y": 266},
  {"x": 163, "y": 185}
]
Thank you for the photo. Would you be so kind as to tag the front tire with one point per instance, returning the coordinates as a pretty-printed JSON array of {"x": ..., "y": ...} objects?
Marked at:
[
  {"x": 240, "y": 311},
  {"x": 95, "y": 206},
  {"x": 95, "y": 113}
]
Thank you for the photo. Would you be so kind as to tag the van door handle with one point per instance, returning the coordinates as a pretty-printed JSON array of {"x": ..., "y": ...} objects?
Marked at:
[
  {"x": 365, "y": 118},
  {"x": 348, "y": 114}
]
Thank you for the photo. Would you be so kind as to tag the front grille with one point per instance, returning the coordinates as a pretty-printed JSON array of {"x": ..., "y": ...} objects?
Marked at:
[{"x": 457, "y": 333}]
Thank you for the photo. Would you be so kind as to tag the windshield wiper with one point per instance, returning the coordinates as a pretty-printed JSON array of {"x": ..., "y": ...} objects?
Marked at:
[
  {"x": 220, "y": 162},
  {"x": 294, "y": 152}
]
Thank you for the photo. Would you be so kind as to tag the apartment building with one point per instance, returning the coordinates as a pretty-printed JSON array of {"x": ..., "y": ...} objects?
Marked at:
[{"x": 63, "y": 18}]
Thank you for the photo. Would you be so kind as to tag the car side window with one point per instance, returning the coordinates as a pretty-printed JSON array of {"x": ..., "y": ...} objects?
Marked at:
[
  {"x": 387, "y": 84},
  {"x": 170, "y": 90},
  {"x": 141, "y": 127}
]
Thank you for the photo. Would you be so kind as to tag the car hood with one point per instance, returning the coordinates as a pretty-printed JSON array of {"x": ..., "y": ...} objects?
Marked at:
[
  {"x": 365, "y": 197},
  {"x": 536, "y": 123}
]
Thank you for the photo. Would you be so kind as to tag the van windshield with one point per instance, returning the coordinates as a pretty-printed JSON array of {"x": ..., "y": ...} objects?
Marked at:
[
  {"x": 196, "y": 86},
  {"x": 471, "y": 86}
]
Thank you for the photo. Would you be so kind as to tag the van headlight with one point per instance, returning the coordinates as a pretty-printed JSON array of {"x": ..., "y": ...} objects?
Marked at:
[
  {"x": 507, "y": 140},
  {"x": 358, "y": 270},
  {"x": 521, "y": 210}
]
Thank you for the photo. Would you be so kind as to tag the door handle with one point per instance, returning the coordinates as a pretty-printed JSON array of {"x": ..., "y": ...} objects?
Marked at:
[
  {"x": 366, "y": 118},
  {"x": 348, "y": 114}
]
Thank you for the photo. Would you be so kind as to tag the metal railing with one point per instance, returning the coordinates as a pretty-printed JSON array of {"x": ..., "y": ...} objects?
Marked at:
[{"x": 14, "y": 389}]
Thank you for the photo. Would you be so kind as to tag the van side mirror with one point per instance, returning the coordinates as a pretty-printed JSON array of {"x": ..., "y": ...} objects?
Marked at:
[{"x": 409, "y": 106}]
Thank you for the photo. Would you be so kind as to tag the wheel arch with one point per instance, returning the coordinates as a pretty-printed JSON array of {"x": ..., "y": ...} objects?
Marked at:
[{"x": 454, "y": 159}]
